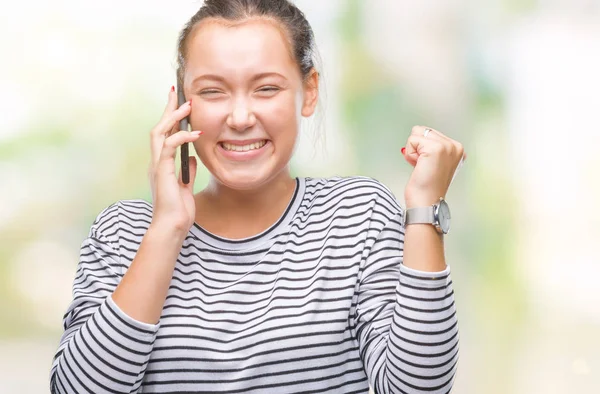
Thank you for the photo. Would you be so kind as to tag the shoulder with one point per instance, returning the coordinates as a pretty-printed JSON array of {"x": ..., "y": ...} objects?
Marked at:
[
  {"x": 124, "y": 218},
  {"x": 355, "y": 191}
]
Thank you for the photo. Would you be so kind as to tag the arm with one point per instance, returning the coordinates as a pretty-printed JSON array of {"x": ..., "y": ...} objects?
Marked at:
[
  {"x": 424, "y": 248},
  {"x": 108, "y": 340},
  {"x": 111, "y": 324},
  {"x": 405, "y": 319}
]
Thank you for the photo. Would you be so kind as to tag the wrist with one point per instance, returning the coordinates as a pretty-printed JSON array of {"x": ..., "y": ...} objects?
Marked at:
[
  {"x": 437, "y": 215},
  {"x": 167, "y": 231},
  {"x": 421, "y": 230},
  {"x": 421, "y": 201}
]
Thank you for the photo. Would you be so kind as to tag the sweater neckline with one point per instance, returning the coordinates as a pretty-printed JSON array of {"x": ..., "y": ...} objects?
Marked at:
[{"x": 280, "y": 226}]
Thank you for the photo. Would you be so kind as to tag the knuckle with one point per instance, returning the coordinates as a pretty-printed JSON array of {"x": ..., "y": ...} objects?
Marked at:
[
  {"x": 170, "y": 142},
  {"x": 416, "y": 129},
  {"x": 173, "y": 118},
  {"x": 438, "y": 148},
  {"x": 161, "y": 129},
  {"x": 175, "y": 139},
  {"x": 179, "y": 113}
]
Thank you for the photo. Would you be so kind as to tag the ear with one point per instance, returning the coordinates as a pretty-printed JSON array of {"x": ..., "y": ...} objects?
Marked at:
[{"x": 311, "y": 93}]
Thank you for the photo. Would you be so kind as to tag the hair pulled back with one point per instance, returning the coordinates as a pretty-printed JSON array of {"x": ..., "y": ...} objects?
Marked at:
[{"x": 284, "y": 12}]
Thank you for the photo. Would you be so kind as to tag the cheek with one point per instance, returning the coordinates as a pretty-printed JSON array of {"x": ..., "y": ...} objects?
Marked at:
[
  {"x": 209, "y": 118},
  {"x": 279, "y": 116}
]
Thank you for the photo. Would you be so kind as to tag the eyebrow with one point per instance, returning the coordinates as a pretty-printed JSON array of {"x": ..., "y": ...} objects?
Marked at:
[{"x": 218, "y": 78}]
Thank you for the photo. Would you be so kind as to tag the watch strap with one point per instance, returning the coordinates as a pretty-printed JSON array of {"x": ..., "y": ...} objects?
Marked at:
[{"x": 420, "y": 215}]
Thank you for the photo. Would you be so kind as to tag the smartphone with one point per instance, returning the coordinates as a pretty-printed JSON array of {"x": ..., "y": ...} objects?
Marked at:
[{"x": 184, "y": 124}]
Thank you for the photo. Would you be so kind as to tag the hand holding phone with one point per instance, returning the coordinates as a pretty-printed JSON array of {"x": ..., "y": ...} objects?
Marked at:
[
  {"x": 184, "y": 124},
  {"x": 173, "y": 194}
]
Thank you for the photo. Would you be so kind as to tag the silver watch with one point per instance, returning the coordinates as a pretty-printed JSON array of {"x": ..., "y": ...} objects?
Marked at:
[{"x": 437, "y": 214}]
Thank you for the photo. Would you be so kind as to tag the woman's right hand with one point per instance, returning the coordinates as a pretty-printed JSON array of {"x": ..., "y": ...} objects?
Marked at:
[{"x": 173, "y": 201}]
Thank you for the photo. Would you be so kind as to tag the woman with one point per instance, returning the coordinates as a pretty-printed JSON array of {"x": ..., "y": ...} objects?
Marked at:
[{"x": 261, "y": 282}]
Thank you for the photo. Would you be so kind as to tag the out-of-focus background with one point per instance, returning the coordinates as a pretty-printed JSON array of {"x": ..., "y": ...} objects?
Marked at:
[{"x": 517, "y": 81}]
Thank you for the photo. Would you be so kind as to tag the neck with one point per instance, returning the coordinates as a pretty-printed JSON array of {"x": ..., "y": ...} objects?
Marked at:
[{"x": 232, "y": 213}]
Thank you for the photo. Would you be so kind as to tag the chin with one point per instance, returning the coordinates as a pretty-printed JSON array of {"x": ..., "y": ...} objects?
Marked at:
[
  {"x": 242, "y": 180},
  {"x": 247, "y": 176}
]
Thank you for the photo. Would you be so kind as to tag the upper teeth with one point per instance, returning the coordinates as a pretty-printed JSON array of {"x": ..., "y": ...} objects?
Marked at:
[{"x": 243, "y": 148}]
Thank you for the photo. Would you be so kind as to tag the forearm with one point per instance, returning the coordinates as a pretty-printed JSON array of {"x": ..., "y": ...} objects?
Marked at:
[
  {"x": 108, "y": 353},
  {"x": 423, "y": 248},
  {"x": 142, "y": 292},
  {"x": 423, "y": 341},
  {"x": 410, "y": 344}
]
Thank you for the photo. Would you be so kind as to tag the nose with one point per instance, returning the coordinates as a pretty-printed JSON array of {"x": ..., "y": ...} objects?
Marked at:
[{"x": 241, "y": 117}]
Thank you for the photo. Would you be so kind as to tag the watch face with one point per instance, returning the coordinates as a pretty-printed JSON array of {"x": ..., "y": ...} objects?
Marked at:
[{"x": 444, "y": 216}]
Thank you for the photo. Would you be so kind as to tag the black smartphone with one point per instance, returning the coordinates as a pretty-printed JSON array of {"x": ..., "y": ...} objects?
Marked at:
[{"x": 184, "y": 124}]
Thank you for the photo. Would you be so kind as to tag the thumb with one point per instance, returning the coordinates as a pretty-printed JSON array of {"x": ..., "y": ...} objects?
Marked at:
[
  {"x": 411, "y": 156},
  {"x": 193, "y": 170}
]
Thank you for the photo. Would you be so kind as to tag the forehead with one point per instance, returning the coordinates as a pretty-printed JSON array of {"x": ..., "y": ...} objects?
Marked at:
[{"x": 254, "y": 46}]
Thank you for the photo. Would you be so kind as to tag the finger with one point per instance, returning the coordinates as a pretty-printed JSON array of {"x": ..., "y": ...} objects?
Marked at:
[
  {"x": 169, "y": 149},
  {"x": 173, "y": 130},
  {"x": 433, "y": 133},
  {"x": 165, "y": 128},
  {"x": 453, "y": 147},
  {"x": 171, "y": 118},
  {"x": 410, "y": 159},
  {"x": 155, "y": 134},
  {"x": 411, "y": 150},
  {"x": 171, "y": 101},
  {"x": 193, "y": 169},
  {"x": 418, "y": 145},
  {"x": 169, "y": 109}
]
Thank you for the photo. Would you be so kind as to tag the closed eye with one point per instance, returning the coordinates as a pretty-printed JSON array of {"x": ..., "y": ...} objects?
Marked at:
[
  {"x": 269, "y": 89},
  {"x": 209, "y": 91}
]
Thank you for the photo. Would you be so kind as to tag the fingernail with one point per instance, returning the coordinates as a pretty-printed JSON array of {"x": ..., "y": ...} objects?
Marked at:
[
  {"x": 172, "y": 88},
  {"x": 190, "y": 103},
  {"x": 197, "y": 132},
  {"x": 403, "y": 150}
]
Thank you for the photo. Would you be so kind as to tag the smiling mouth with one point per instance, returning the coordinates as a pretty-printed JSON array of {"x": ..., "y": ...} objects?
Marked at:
[{"x": 243, "y": 148}]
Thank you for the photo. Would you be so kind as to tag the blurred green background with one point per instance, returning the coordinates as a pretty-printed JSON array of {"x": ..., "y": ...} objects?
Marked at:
[{"x": 516, "y": 82}]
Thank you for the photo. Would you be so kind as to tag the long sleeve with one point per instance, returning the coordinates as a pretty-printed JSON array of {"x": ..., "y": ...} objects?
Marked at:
[
  {"x": 102, "y": 350},
  {"x": 405, "y": 319}
]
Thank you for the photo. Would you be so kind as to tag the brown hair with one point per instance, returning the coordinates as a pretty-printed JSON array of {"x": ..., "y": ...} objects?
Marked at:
[{"x": 286, "y": 13}]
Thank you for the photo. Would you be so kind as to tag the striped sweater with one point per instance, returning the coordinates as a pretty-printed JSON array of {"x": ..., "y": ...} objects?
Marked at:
[{"x": 318, "y": 303}]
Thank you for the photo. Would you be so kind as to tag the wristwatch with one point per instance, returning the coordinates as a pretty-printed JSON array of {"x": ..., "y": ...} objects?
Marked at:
[{"x": 437, "y": 214}]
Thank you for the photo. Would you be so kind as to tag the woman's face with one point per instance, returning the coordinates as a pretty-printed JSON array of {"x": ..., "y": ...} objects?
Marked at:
[{"x": 248, "y": 98}]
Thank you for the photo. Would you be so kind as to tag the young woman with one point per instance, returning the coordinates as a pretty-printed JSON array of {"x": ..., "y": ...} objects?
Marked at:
[{"x": 262, "y": 282}]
